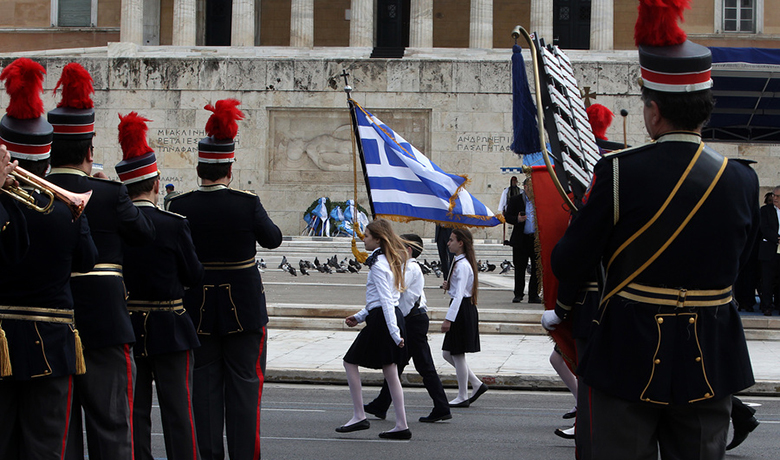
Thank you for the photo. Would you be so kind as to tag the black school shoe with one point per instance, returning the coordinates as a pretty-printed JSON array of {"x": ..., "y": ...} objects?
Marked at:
[
  {"x": 369, "y": 409},
  {"x": 357, "y": 426},
  {"x": 402, "y": 435},
  {"x": 433, "y": 417}
]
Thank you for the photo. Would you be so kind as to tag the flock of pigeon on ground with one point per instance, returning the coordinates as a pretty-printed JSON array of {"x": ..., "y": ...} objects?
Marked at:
[{"x": 333, "y": 265}]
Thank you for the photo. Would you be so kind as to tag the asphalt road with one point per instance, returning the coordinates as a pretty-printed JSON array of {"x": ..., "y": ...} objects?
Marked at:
[{"x": 298, "y": 422}]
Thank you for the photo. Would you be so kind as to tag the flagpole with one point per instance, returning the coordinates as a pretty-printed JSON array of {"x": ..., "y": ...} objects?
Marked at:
[{"x": 356, "y": 134}]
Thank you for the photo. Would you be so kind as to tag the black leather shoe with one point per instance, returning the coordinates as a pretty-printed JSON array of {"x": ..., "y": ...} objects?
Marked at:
[
  {"x": 480, "y": 391},
  {"x": 465, "y": 403},
  {"x": 568, "y": 433},
  {"x": 380, "y": 414},
  {"x": 741, "y": 432},
  {"x": 357, "y": 426},
  {"x": 517, "y": 299},
  {"x": 435, "y": 418},
  {"x": 571, "y": 414},
  {"x": 402, "y": 435},
  {"x": 535, "y": 300}
]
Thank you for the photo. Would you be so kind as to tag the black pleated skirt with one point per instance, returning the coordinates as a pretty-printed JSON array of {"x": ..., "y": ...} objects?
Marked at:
[
  {"x": 374, "y": 347},
  {"x": 463, "y": 336}
]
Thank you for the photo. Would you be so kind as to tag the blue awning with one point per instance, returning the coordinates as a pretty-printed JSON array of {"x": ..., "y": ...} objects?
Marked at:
[{"x": 746, "y": 86}]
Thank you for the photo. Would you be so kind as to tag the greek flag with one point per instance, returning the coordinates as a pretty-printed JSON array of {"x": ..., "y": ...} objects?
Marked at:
[{"x": 405, "y": 185}]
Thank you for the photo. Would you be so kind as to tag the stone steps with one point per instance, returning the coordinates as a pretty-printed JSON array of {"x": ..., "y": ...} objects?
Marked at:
[{"x": 492, "y": 321}]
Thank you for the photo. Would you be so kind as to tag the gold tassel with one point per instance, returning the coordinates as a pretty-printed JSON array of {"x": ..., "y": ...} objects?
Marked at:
[
  {"x": 81, "y": 366},
  {"x": 360, "y": 256},
  {"x": 5, "y": 357}
]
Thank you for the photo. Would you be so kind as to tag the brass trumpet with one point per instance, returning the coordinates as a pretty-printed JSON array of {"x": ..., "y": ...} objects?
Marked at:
[{"x": 76, "y": 201}]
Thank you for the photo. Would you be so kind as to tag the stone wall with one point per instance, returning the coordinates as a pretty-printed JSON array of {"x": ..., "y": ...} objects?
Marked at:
[{"x": 294, "y": 145}]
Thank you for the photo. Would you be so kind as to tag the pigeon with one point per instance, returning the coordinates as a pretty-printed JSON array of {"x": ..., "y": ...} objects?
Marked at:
[
  {"x": 505, "y": 267},
  {"x": 291, "y": 269},
  {"x": 353, "y": 269},
  {"x": 316, "y": 262},
  {"x": 262, "y": 264},
  {"x": 302, "y": 267},
  {"x": 334, "y": 261},
  {"x": 490, "y": 267},
  {"x": 283, "y": 263}
]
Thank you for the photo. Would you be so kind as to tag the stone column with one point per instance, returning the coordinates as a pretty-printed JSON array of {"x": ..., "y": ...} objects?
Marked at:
[
  {"x": 242, "y": 31},
  {"x": 302, "y": 24},
  {"x": 131, "y": 24},
  {"x": 542, "y": 19},
  {"x": 602, "y": 33},
  {"x": 481, "y": 24},
  {"x": 421, "y": 24},
  {"x": 184, "y": 22},
  {"x": 361, "y": 24}
]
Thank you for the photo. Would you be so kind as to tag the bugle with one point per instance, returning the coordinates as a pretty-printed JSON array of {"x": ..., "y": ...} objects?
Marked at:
[{"x": 76, "y": 201}]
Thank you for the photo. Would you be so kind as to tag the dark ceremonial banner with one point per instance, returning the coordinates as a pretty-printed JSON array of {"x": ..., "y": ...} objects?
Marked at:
[{"x": 552, "y": 219}]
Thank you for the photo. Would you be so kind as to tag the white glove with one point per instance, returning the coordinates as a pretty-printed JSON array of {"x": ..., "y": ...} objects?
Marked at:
[{"x": 550, "y": 319}]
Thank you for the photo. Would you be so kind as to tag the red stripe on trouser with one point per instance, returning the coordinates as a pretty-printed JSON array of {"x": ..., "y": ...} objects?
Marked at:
[
  {"x": 259, "y": 371},
  {"x": 189, "y": 407},
  {"x": 129, "y": 361},
  {"x": 67, "y": 416}
]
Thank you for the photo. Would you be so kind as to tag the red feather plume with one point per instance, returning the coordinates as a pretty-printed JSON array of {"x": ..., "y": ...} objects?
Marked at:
[
  {"x": 77, "y": 87},
  {"x": 222, "y": 123},
  {"x": 657, "y": 22},
  {"x": 24, "y": 83},
  {"x": 600, "y": 118},
  {"x": 132, "y": 135}
]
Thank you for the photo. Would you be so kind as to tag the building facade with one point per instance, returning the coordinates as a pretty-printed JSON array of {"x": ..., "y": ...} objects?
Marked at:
[{"x": 576, "y": 24}]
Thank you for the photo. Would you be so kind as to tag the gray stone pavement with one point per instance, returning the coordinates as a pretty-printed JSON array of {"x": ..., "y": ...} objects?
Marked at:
[{"x": 517, "y": 361}]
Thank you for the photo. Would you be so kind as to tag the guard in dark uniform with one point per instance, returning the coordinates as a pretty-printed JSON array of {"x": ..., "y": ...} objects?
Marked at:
[
  {"x": 156, "y": 276},
  {"x": 667, "y": 348},
  {"x": 39, "y": 347},
  {"x": 228, "y": 308},
  {"x": 105, "y": 392}
]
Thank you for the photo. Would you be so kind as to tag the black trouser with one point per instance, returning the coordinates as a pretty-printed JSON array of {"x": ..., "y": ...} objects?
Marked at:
[
  {"x": 769, "y": 285},
  {"x": 227, "y": 391},
  {"x": 34, "y": 417},
  {"x": 172, "y": 374},
  {"x": 420, "y": 352},
  {"x": 639, "y": 430},
  {"x": 521, "y": 253}
]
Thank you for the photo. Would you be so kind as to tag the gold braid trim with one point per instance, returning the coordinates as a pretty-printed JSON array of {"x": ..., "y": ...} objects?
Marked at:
[
  {"x": 5, "y": 357},
  {"x": 81, "y": 365}
]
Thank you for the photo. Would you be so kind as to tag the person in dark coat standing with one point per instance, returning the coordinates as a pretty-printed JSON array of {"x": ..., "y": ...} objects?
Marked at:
[
  {"x": 40, "y": 351},
  {"x": 666, "y": 350},
  {"x": 156, "y": 276},
  {"x": 521, "y": 214},
  {"x": 105, "y": 391},
  {"x": 228, "y": 307},
  {"x": 768, "y": 253}
]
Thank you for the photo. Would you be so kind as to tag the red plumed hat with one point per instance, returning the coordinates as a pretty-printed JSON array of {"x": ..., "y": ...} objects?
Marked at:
[
  {"x": 139, "y": 162},
  {"x": 669, "y": 62},
  {"x": 23, "y": 130},
  {"x": 24, "y": 83},
  {"x": 74, "y": 117},
  {"x": 600, "y": 118},
  {"x": 221, "y": 128},
  {"x": 77, "y": 87},
  {"x": 657, "y": 22}
]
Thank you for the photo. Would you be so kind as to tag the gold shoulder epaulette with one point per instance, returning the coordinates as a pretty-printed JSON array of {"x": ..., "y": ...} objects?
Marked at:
[
  {"x": 245, "y": 192},
  {"x": 172, "y": 213},
  {"x": 628, "y": 150}
]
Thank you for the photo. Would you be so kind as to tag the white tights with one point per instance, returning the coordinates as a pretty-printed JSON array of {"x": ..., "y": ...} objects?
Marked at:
[
  {"x": 564, "y": 373},
  {"x": 396, "y": 392},
  {"x": 464, "y": 375}
]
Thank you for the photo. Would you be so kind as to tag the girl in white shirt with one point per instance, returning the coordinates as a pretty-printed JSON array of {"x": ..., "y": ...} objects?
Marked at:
[
  {"x": 380, "y": 344},
  {"x": 461, "y": 324}
]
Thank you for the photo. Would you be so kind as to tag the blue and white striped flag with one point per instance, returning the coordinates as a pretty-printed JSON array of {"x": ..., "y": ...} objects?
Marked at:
[{"x": 405, "y": 185}]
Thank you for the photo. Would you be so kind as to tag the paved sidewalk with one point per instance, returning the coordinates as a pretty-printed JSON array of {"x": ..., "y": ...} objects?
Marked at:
[{"x": 506, "y": 361}]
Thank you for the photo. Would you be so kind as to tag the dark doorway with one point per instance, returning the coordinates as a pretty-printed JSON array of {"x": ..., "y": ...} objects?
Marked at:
[
  {"x": 571, "y": 23},
  {"x": 218, "y": 22},
  {"x": 392, "y": 28}
]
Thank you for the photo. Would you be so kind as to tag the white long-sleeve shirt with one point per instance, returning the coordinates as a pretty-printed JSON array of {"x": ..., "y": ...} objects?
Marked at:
[
  {"x": 461, "y": 283},
  {"x": 415, "y": 288},
  {"x": 381, "y": 293}
]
